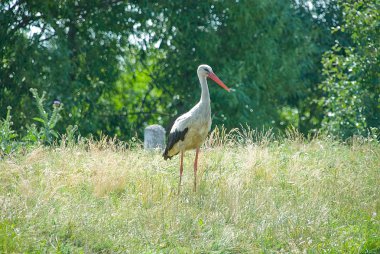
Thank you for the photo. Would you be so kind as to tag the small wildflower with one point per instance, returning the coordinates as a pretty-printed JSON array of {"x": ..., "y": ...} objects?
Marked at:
[{"x": 56, "y": 103}]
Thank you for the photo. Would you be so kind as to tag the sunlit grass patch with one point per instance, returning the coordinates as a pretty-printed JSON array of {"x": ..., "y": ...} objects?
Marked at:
[{"x": 290, "y": 195}]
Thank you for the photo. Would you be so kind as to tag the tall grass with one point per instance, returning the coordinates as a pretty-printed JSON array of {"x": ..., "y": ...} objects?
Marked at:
[{"x": 257, "y": 194}]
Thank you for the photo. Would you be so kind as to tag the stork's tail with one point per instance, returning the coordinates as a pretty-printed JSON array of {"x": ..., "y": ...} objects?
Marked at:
[
  {"x": 165, "y": 154},
  {"x": 174, "y": 137}
]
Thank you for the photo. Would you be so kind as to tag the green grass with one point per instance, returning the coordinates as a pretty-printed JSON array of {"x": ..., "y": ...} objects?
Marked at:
[{"x": 318, "y": 196}]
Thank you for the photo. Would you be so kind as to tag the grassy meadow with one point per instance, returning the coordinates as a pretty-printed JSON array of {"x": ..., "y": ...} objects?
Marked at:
[{"x": 268, "y": 196}]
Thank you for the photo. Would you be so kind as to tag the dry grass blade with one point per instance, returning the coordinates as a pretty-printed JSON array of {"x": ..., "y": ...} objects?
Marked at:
[{"x": 255, "y": 194}]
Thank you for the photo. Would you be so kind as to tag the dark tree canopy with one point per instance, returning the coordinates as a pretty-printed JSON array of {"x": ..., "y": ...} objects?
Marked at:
[{"x": 120, "y": 65}]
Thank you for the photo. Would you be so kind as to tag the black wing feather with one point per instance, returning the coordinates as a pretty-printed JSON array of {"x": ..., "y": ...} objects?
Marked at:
[{"x": 173, "y": 138}]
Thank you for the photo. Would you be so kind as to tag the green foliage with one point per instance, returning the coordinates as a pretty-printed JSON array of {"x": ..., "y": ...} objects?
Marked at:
[
  {"x": 44, "y": 132},
  {"x": 351, "y": 100},
  {"x": 80, "y": 49},
  {"x": 119, "y": 66},
  {"x": 8, "y": 237},
  {"x": 7, "y": 135},
  {"x": 257, "y": 47},
  {"x": 69, "y": 49},
  {"x": 318, "y": 17}
]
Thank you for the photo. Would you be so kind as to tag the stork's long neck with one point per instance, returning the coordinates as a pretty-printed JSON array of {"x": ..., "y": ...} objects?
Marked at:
[{"x": 205, "y": 96}]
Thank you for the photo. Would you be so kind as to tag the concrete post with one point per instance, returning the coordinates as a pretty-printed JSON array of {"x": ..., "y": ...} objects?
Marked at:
[{"x": 154, "y": 137}]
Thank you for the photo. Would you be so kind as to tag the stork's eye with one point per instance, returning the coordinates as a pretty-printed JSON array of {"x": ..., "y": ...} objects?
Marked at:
[{"x": 206, "y": 70}]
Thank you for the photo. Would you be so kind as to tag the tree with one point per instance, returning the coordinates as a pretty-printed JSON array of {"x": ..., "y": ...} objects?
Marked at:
[
  {"x": 119, "y": 65},
  {"x": 318, "y": 17},
  {"x": 351, "y": 101},
  {"x": 259, "y": 48},
  {"x": 71, "y": 49}
]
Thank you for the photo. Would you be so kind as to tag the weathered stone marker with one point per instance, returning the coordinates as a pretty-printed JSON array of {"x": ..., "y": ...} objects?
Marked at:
[{"x": 154, "y": 137}]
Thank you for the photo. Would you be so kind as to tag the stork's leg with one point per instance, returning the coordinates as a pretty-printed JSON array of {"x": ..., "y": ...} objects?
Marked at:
[
  {"x": 180, "y": 173},
  {"x": 196, "y": 168}
]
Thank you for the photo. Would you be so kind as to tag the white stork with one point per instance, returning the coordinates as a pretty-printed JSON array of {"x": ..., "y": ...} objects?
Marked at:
[{"x": 190, "y": 129}]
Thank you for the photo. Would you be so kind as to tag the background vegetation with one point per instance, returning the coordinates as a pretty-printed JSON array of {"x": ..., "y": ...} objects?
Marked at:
[{"x": 117, "y": 65}]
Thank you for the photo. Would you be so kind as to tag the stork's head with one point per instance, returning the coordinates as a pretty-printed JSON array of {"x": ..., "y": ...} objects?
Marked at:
[{"x": 206, "y": 71}]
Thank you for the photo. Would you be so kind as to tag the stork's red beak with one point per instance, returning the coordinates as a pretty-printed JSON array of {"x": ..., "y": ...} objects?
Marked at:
[{"x": 218, "y": 81}]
